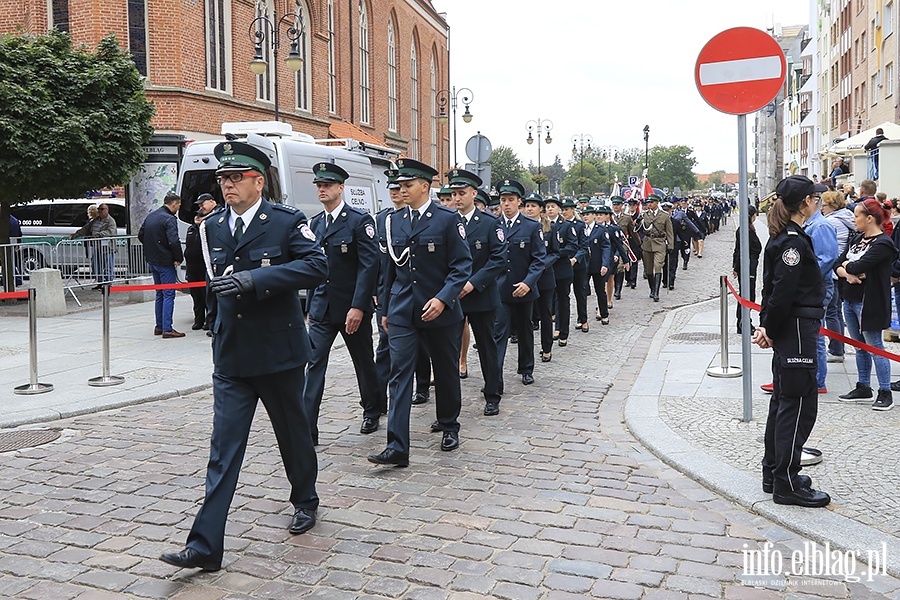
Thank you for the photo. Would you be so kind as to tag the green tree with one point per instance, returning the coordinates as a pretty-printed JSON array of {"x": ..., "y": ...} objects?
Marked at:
[
  {"x": 716, "y": 178},
  {"x": 505, "y": 164},
  {"x": 71, "y": 120},
  {"x": 672, "y": 166},
  {"x": 586, "y": 181}
]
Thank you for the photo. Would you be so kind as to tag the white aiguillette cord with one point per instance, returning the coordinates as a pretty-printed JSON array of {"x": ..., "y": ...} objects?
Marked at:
[
  {"x": 204, "y": 247},
  {"x": 404, "y": 256}
]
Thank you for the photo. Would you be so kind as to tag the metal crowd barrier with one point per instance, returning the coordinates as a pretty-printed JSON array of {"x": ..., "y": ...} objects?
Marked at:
[{"x": 25, "y": 255}]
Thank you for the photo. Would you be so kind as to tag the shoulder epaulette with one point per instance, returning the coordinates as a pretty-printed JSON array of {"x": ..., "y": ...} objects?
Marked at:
[
  {"x": 286, "y": 208},
  {"x": 792, "y": 233}
]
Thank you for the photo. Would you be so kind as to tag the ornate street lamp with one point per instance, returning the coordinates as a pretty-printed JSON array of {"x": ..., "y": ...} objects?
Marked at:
[
  {"x": 580, "y": 139},
  {"x": 444, "y": 97},
  {"x": 539, "y": 126},
  {"x": 268, "y": 30}
]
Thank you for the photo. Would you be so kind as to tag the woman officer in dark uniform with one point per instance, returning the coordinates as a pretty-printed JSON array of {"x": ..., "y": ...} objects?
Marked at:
[{"x": 792, "y": 297}]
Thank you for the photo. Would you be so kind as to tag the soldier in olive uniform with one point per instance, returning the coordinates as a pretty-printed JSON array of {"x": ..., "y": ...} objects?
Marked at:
[{"x": 656, "y": 227}]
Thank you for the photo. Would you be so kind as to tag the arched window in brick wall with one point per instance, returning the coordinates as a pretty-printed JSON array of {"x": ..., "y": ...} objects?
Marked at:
[
  {"x": 392, "y": 75},
  {"x": 364, "y": 88},
  {"x": 304, "y": 93},
  {"x": 217, "y": 26},
  {"x": 332, "y": 67},
  {"x": 414, "y": 102},
  {"x": 137, "y": 34}
]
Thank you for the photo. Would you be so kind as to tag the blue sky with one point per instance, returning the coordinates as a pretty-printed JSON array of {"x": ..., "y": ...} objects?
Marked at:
[{"x": 598, "y": 67}]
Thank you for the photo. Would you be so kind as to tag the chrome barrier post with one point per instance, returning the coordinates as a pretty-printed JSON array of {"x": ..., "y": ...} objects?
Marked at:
[
  {"x": 724, "y": 370},
  {"x": 34, "y": 387},
  {"x": 106, "y": 379}
]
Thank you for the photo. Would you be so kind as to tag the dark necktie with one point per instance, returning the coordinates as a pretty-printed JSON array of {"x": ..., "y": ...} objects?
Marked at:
[
  {"x": 415, "y": 218},
  {"x": 329, "y": 221},
  {"x": 509, "y": 224},
  {"x": 238, "y": 229}
]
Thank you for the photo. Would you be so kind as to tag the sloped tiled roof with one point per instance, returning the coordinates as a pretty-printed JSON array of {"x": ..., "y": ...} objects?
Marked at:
[{"x": 344, "y": 129}]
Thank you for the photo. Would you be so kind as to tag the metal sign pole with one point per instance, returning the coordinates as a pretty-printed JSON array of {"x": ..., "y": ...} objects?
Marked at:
[
  {"x": 744, "y": 201},
  {"x": 106, "y": 379},
  {"x": 33, "y": 387}
]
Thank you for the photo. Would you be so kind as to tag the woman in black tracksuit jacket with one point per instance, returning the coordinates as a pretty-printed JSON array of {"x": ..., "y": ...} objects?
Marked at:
[{"x": 792, "y": 297}]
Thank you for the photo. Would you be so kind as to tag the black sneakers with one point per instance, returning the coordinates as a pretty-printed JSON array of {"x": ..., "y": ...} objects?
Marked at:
[
  {"x": 860, "y": 392},
  {"x": 883, "y": 401}
]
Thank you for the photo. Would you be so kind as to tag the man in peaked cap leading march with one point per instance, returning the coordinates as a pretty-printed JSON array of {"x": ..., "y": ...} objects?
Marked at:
[
  {"x": 260, "y": 254},
  {"x": 343, "y": 303},
  {"x": 430, "y": 263},
  {"x": 656, "y": 227}
]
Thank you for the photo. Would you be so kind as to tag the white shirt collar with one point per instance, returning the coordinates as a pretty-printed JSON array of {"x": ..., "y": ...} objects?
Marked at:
[
  {"x": 337, "y": 211},
  {"x": 245, "y": 218},
  {"x": 468, "y": 217},
  {"x": 422, "y": 209}
]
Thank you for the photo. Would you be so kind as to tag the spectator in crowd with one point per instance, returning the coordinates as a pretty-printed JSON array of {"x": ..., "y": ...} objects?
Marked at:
[
  {"x": 888, "y": 207},
  {"x": 825, "y": 245},
  {"x": 865, "y": 272},
  {"x": 755, "y": 251},
  {"x": 867, "y": 189},
  {"x": 838, "y": 167},
  {"x": 849, "y": 193},
  {"x": 162, "y": 250},
  {"x": 834, "y": 207},
  {"x": 872, "y": 145},
  {"x": 100, "y": 225}
]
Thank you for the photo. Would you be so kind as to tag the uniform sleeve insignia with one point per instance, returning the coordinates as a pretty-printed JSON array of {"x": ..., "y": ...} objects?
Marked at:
[
  {"x": 607, "y": 235},
  {"x": 791, "y": 257},
  {"x": 462, "y": 230},
  {"x": 559, "y": 237},
  {"x": 500, "y": 235},
  {"x": 370, "y": 230},
  {"x": 306, "y": 232}
]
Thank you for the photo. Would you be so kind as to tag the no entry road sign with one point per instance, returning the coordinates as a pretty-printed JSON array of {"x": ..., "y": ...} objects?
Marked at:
[{"x": 740, "y": 70}]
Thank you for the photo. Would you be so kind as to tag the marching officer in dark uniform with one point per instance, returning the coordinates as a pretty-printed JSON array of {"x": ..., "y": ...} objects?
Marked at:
[
  {"x": 618, "y": 249},
  {"x": 382, "y": 353},
  {"x": 685, "y": 231},
  {"x": 579, "y": 267},
  {"x": 260, "y": 255},
  {"x": 343, "y": 304},
  {"x": 480, "y": 297},
  {"x": 700, "y": 220},
  {"x": 567, "y": 236},
  {"x": 792, "y": 297},
  {"x": 543, "y": 305},
  {"x": 600, "y": 263},
  {"x": 634, "y": 240},
  {"x": 626, "y": 224},
  {"x": 525, "y": 258},
  {"x": 430, "y": 264}
]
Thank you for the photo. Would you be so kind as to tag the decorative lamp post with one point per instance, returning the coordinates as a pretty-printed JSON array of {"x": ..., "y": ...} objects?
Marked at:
[
  {"x": 268, "y": 30},
  {"x": 646, "y": 147},
  {"x": 578, "y": 141},
  {"x": 541, "y": 127},
  {"x": 610, "y": 153},
  {"x": 450, "y": 96}
]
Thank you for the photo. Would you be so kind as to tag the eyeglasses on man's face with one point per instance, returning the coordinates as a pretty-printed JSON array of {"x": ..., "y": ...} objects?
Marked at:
[{"x": 234, "y": 177}]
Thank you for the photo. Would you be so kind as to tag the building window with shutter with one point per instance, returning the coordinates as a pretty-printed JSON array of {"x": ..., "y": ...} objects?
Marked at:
[{"x": 59, "y": 15}]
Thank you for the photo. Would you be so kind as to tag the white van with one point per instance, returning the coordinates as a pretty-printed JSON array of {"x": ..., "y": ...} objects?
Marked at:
[{"x": 289, "y": 179}]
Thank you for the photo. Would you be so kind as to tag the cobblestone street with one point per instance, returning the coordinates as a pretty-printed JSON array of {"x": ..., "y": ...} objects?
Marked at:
[{"x": 553, "y": 498}]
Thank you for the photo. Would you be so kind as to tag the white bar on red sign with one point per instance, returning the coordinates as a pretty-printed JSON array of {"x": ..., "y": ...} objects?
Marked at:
[{"x": 737, "y": 71}]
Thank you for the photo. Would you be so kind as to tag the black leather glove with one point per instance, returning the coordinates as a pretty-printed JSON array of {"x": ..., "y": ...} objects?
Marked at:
[{"x": 231, "y": 285}]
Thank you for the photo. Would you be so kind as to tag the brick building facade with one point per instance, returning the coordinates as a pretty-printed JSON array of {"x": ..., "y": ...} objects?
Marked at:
[{"x": 372, "y": 67}]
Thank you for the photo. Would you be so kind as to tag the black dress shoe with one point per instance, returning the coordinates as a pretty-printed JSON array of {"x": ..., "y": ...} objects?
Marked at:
[
  {"x": 804, "y": 496},
  {"x": 436, "y": 426},
  {"x": 802, "y": 481},
  {"x": 390, "y": 457},
  {"x": 527, "y": 379},
  {"x": 190, "y": 559},
  {"x": 463, "y": 374},
  {"x": 450, "y": 441},
  {"x": 420, "y": 398},
  {"x": 491, "y": 409},
  {"x": 369, "y": 425},
  {"x": 304, "y": 520},
  {"x": 196, "y": 326},
  {"x": 513, "y": 339}
]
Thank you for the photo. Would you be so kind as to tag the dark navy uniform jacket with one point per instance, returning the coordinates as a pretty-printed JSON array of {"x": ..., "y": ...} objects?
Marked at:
[
  {"x": 617, "y": 239},
  {"x": 383, "y": 258},
  {"x": 685, "y": 229},
  {"x": 700, "y": 221},
  {"x": 264, "y": 331},
  {"x": 487, "y": 244},
  {"x": 439, "y": 265},
  {"x": 581, "y": 255},
  {"x": 352, "y": 250},
  {"x": 526, "y": 258},
  {"x": 792, "y": 282},
  {"x": 601, "y": 251},
  {"x": 567, "y": 236},
  {"x": 547, "y": 280}
]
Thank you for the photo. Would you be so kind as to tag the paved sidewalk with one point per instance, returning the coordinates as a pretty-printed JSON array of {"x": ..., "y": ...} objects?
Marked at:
[{"x": 555, "y": 498}]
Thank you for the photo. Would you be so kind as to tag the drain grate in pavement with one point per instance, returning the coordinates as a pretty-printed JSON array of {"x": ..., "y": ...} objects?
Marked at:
[
  {"x": 695, "y": 336},
  {"x": 28, "y": 438}
]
